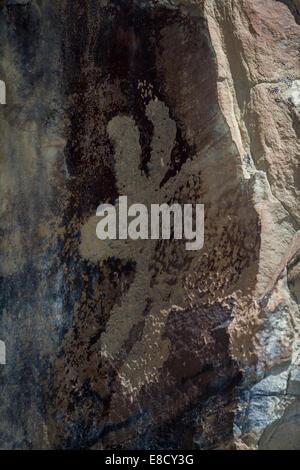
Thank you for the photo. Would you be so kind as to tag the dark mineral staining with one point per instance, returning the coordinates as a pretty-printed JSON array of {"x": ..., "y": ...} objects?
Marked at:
[{"x": 294, "y": 8}]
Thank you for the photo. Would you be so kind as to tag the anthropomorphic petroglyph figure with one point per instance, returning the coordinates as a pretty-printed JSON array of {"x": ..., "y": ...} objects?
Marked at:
[{"x": 160, "y": 265}]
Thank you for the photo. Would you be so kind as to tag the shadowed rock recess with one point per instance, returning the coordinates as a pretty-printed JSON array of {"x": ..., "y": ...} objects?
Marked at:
[{"x": 144, "y": 345}]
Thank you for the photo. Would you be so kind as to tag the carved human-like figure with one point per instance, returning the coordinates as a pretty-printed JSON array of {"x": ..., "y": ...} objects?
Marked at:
[{"x": 159, "y": 264}]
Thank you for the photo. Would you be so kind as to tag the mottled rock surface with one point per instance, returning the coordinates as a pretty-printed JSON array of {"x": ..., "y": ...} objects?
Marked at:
[{"x": 144, "y": 345}]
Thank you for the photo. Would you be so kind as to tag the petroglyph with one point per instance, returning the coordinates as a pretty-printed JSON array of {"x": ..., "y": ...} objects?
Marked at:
[{"x": 148, "y": 355}]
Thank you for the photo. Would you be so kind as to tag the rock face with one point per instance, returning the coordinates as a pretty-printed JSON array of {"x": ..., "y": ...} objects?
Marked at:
[{"x": 142, "y": 344}]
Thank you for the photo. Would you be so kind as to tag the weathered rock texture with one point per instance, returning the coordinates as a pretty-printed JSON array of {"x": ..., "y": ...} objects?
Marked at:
[{"x": 143, "y": 345}]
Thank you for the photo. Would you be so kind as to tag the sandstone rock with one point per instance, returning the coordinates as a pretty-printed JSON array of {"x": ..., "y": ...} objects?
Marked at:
[
  {"x": 294, "y": 382},
  {"x": 145, "y": 345}
]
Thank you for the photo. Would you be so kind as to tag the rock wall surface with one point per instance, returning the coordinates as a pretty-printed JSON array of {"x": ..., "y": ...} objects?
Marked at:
[{"x": 144, "y": 345}]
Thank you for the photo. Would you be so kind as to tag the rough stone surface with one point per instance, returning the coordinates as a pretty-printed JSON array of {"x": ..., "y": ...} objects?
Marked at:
[{"x": 144, "y": 345}]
